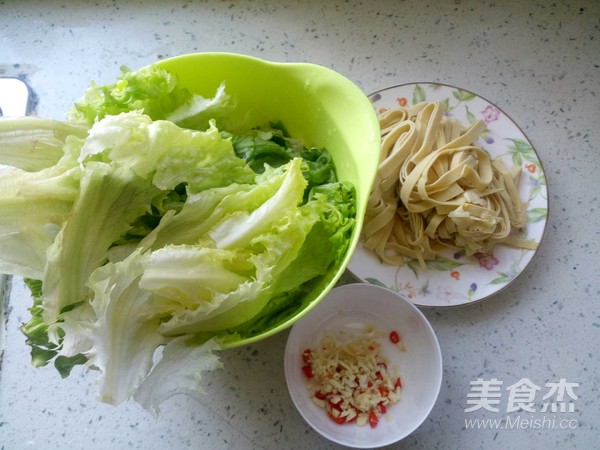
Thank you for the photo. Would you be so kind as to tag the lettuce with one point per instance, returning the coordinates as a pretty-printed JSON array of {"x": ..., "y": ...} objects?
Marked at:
[
  {"x": 109, "y": 200},
  {"x": 156, "y": 93},
  {"x": 274, "y": 148},
  {"x": 122, "y": 335},
  {"x": 149, "y": 245},
  {"x": 34, "y": 206},
  {"x": 151, "y": 89},
  {"x": 33, "y": 143},
  {"x": 182, "y": 362}
]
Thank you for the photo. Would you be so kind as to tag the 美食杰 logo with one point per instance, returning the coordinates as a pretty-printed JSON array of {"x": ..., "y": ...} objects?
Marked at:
[{"x": 526, "y": 404}]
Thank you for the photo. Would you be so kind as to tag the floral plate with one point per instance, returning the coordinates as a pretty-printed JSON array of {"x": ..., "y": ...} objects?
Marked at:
[{"x": 454, "y": 278}]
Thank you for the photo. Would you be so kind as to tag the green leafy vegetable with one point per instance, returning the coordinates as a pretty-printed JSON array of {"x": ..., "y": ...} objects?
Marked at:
[
  {"x": 150, "y": 237},
  {"x": 273, "y": 148},
  {"x": 110, "y": 199},
  {"x": 33, "y": 143},
  {"x": 151, "y": 89},
  {"x": 34, "y": 206},
  {"x": 36, "y": 330}
]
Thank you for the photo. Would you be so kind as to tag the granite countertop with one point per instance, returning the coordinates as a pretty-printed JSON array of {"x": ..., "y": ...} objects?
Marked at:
[{"x": 538, "y": 61}]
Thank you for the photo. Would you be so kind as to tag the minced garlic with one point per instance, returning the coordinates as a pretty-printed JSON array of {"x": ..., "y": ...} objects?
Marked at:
[{"x": 350, "y": 379}]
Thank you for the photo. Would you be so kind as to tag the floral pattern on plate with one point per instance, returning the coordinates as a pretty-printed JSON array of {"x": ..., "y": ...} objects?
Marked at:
[{"x": 454, "y": 278}]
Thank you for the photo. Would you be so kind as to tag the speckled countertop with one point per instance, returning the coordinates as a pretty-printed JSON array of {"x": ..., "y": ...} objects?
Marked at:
[{"x": 538, "y": 61}]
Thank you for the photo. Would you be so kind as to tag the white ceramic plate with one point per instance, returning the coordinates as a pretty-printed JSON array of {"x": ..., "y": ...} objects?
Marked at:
[
  {"x": 352, "y": 307},
  {"x": 455, "y": 279}
]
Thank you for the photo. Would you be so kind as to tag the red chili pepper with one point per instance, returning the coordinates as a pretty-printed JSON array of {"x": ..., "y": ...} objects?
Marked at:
[
  {"x": 320, "y": 395},
  {"x": 336, "y": 405},
  {"x": 398, "y": 383},
  {"x": 330, "y": 408},
  {"x": 339, "y": 420},
  {"x": 383, "y": 391},
  {"x": 382, "y": 408},
  {"x": 373, "y": 419},
  {"x": 307, "y": 369},
  {"x": 394, "y": 337},
  {"x": 378, "y": 375}
]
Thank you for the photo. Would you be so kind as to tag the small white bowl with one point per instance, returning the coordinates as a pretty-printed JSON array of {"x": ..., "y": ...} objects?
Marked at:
[{"x": 354, "y": 306}]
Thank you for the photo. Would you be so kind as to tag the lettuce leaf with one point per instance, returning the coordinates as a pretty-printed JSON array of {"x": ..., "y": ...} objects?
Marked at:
[
  {"x": 110, "y": 199},
  {"x": 34, "y": 207},
  {"x": 156, "y": 93},
  {"x": 151, "y": 90},
  {"x": 178, "y": 371},
  {"x": 154, "y": 238},
  {"x": 34, "y": 143},
  {"x": 124, "y": 335},
  {"x": 274, "y": 148}
]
